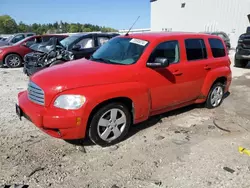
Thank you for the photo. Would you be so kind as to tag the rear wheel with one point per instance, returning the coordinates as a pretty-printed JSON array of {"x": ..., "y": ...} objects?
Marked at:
[
  {"x": 110, "y": 124},
  {"x": 215, "y": 96},
  {"x": 240, "y": 63},
  {"x": 13, "y": 61}
]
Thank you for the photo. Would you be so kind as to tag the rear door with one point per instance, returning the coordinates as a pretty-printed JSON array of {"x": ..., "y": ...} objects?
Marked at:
[
  {"x": 196, "y": 67},
  {"x": 87, "y": 47}
]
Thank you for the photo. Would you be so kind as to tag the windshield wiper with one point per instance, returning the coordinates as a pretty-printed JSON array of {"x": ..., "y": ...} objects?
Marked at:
[{"x": 104, "y": 60}]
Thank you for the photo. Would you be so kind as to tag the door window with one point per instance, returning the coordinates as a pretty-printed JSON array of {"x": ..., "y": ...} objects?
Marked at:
[
  {"x": 169, "y": 50},
  {"x": 217, "y": 48},
  {"x": 195, "y": 49},
  {"x": 86, "y": 43},
  {"x": 102, "y": 40},
  {"x": 17, "y": 38}
]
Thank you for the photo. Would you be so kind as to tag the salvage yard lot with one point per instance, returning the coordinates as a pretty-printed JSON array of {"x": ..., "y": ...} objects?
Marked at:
[{"x": 183, "y": 148}]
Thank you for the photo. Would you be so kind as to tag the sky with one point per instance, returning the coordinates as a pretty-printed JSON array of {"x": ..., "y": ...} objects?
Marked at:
[{"x": 118, "y": 14}]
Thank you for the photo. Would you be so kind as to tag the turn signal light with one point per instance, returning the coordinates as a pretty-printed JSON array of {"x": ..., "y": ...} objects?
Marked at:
[{"x": 78, "y": 121}]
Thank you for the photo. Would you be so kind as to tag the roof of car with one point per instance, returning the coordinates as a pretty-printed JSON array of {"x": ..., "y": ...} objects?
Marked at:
[
  {"x": 159, "y": 35},
  {"x": 91, "y": 33}
]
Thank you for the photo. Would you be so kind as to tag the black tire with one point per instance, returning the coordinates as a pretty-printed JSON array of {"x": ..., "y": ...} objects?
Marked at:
[
  {"x": 57, "y": 62},
  {"x": 8, "y": 61},
  {"x": 240, "y": 63},
  {"x": 209, "y": 103},
  {"x": 94, "y": 129}
]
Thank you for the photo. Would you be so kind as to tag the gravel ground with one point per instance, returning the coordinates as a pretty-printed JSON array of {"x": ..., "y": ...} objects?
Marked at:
[{"x": 178, "y": 149}]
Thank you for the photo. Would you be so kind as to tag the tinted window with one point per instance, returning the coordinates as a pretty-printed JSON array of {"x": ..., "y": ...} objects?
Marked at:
[
  {"x": 30, "y": 34},
  {"x": 169, "y": 50},
  {"x": 60, "y": 37},
  {"x": 18, "y": 38},
  {"x": 86, "y": 43},
  {"x": 195, "y": 49},
  {"x": 46, "y": 39},
  {"x": 217, "y": 47}
]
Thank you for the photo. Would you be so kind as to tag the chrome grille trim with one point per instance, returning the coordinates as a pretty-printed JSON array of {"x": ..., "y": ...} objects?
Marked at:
[{"x": 35, "y": 93}]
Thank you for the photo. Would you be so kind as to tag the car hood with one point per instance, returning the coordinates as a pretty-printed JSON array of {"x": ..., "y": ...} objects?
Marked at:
[{"x": 80, "y": 73}]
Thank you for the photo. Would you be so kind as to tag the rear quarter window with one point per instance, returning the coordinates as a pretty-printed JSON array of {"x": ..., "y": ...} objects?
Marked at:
[
  {"x": 217, "y": 48},
  {"x": 195, "y": 49}
]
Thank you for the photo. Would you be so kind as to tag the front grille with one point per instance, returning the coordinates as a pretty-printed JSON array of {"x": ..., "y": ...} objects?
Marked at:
[{"x": 35, "y": 93}]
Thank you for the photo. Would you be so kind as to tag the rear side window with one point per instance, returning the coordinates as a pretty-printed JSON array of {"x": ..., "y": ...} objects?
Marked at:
[
  {"x": 195, "y": 49},
  {"x": 217, "y": 48}
]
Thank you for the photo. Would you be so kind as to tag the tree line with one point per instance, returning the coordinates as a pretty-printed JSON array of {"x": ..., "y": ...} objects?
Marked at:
[{"x": 9, "y": 26}]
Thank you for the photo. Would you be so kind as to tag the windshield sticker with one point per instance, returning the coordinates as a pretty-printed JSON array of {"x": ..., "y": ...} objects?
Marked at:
[{"x": 139, "y": 42}]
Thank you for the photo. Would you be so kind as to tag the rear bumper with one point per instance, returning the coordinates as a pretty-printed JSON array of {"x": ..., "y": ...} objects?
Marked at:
[{"x": 57, "y": 123}]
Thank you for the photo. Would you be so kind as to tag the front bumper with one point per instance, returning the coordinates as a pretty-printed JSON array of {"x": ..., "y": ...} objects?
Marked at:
[
  {"x": 30, "y": 69},
  {"x": 58, "y": 123}
]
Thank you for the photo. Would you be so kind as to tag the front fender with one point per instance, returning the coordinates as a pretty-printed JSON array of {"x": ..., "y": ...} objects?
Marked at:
[
  {"x": 138, "y": 93},
  {"x": 213, "y": 75}
]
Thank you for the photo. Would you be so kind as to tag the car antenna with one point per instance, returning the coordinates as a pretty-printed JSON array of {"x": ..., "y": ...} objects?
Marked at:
[{"x": 132, "y": 26}]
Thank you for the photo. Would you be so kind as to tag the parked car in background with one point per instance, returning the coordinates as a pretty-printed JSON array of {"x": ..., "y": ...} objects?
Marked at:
[
  {"x": 3, "y": 38},
  {"x": 224, "y": 36},
  {"x": 242, "y": 55},
  {"x": 73, "y": 47},
  {"x": 15, "y": 38},
  {"x": 127, "y": 80},
  {"x": 12, "y": 55}
]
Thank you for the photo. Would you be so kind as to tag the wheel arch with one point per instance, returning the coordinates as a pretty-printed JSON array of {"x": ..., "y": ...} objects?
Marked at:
[
  {"x": 124, "y": 100},
  {"x": 9, "y": 53}
]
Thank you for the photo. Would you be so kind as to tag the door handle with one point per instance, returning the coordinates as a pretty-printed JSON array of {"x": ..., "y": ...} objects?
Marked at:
[
  {"x": 177, "y": 73},
  {"x": 207, "y": 67}
]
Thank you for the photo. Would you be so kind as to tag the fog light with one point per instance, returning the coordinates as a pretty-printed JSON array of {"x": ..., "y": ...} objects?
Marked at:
[{"x": 78, "y": 121}]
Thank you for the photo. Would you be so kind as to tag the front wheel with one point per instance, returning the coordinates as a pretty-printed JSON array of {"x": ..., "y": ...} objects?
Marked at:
[
  {"x": 13, "y": 61},
  {"x": 110, "y": 124},
  {"x": 215, "y": 96}
]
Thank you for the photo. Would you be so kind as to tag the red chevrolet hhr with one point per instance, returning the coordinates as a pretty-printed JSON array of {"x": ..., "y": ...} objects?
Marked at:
[{"x": 127, "y": 80}]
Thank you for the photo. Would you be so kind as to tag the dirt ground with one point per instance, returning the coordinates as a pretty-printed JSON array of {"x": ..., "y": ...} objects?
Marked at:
[{"x": 180, "y": 149}]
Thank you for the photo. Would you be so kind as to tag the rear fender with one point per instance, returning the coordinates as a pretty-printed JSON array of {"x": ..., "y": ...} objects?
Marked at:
[{"x": 212, "y": 76}]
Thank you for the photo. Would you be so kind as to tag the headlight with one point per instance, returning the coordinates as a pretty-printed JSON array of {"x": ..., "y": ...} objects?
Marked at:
[{"x": 69, "y": 102}]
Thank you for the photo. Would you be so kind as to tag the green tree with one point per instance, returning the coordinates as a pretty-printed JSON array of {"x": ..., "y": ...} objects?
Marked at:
[{"x": 7, "y": 25}]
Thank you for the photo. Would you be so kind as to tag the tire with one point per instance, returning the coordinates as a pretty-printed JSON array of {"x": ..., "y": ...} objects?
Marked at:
[
  {"x": 215, "y": 96},
  {"x": 13, "y": 61},
  {"x": 240, "y": 63},
  {"x": 57, "y": 62},
  {"x": 106, "y": 135}
]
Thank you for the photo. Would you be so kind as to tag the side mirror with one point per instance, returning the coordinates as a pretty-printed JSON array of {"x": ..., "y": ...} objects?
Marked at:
[
  {"x": 76, "y": 47},
  {"x": 159, "y": 62}
]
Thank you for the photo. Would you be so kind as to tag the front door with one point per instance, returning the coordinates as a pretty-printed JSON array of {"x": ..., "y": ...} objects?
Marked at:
[{"x": 166, "y": 84}]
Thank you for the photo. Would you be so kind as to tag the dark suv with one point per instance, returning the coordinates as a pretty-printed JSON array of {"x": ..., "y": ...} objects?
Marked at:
[
  {"x": 74, "y": 47},
  {"x": 242, "y": 55}
]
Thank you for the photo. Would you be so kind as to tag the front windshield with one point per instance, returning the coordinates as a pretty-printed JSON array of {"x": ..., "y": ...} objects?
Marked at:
[
  {"x": 119, "y": 50},
  {"x": 69, "y": 40}
]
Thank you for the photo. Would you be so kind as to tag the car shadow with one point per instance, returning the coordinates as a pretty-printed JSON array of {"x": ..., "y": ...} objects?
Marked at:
[{"x": 134, "y": 129}]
